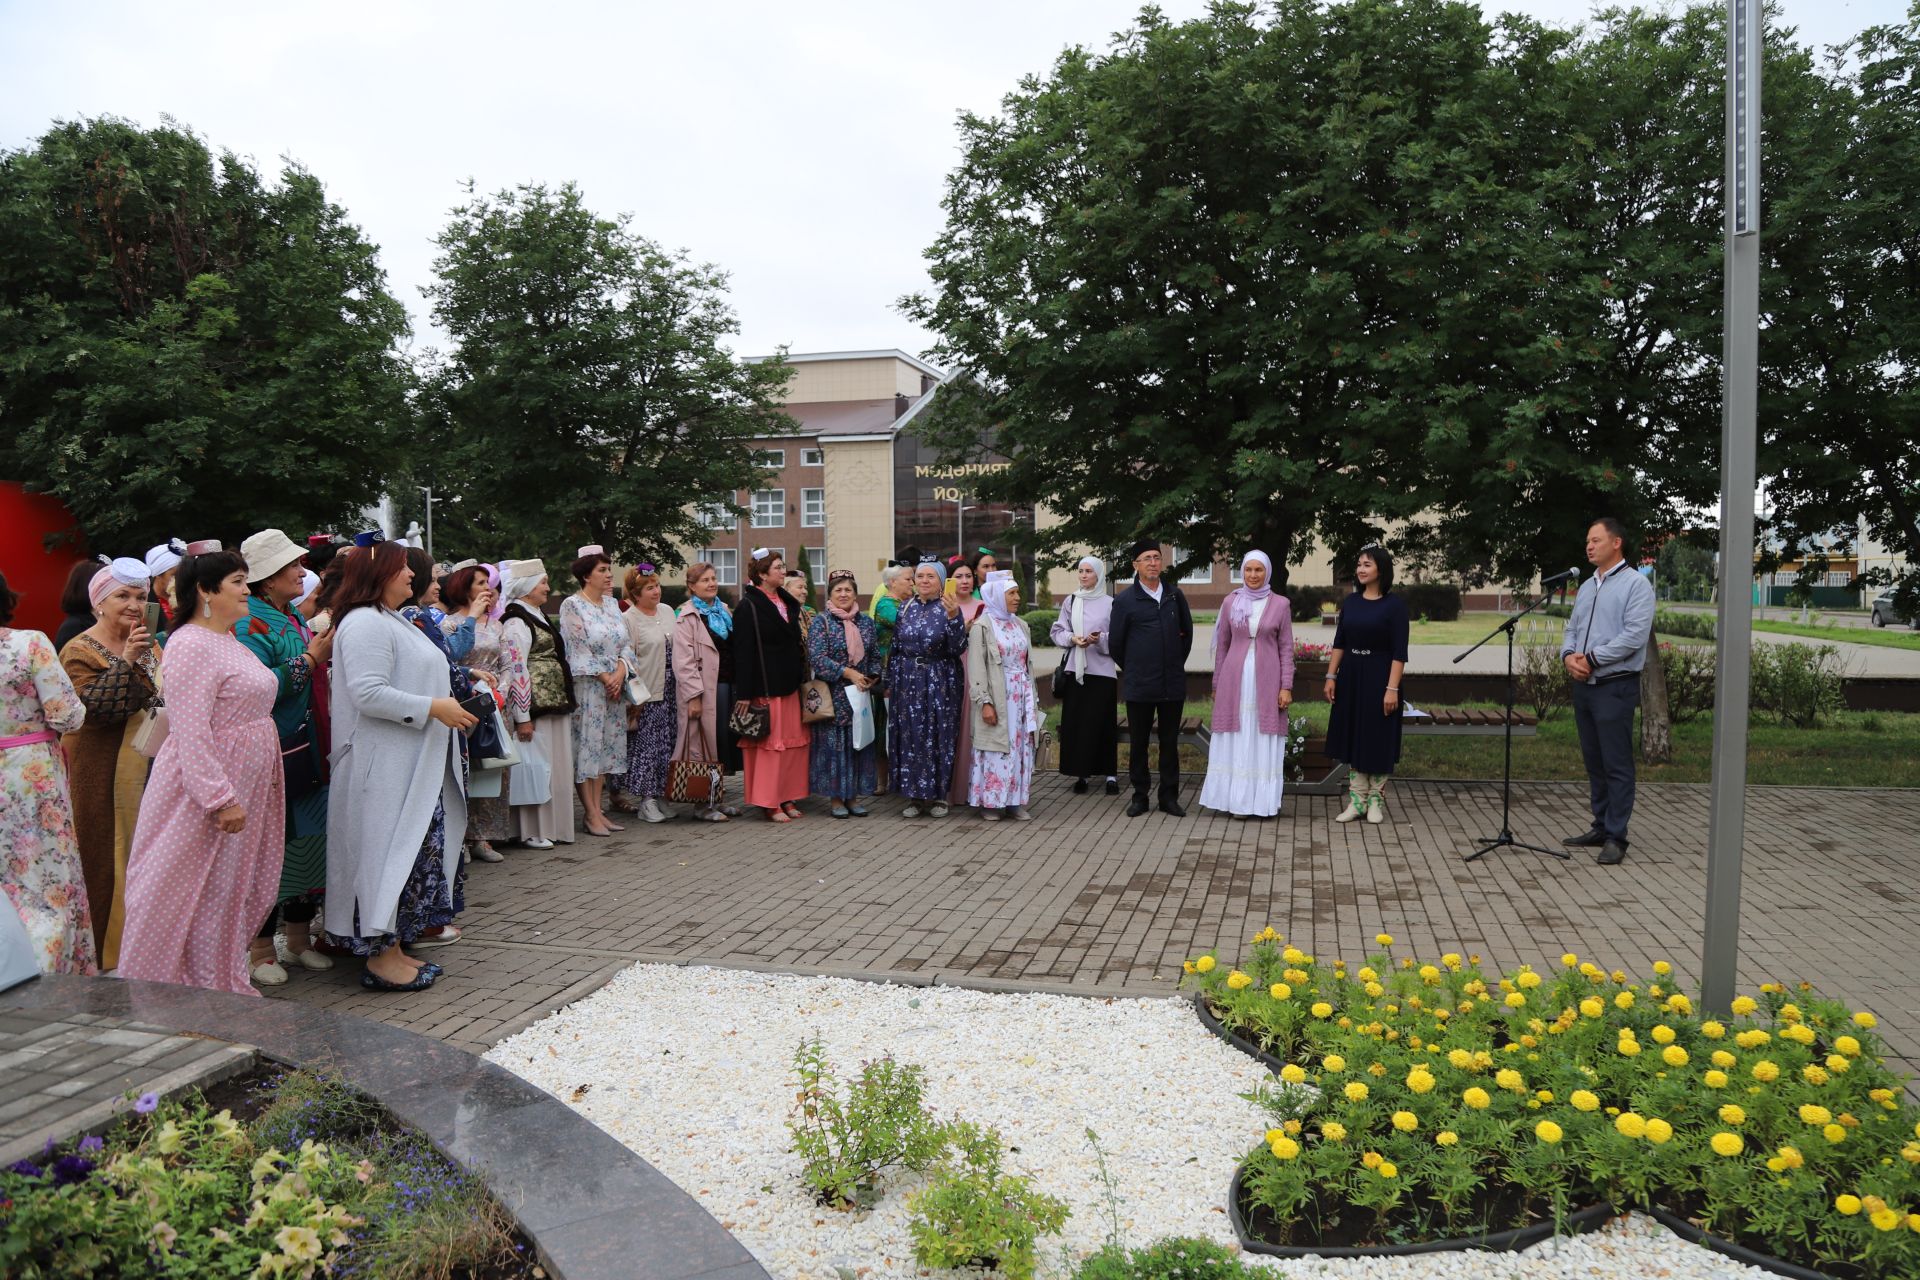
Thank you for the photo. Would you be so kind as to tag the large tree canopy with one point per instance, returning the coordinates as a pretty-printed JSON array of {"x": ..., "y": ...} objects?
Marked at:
[
  {"x": 1310, "y": 271},
  {"x": 589, "y": 398},
  {"x": 185, "y": 349}
]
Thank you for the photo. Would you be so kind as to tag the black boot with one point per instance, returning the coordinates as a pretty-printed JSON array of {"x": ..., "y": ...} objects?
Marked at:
[{"x": 1136, "y": 806}]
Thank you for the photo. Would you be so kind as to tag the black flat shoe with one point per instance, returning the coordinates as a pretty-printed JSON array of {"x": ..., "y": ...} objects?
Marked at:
[
  {"x": 371, "y": 981},
  {"x": 1172, "y": 807},
  {"x": 1080, "y": 786},
  {"x": 1136, "y": 806},
  {"x": 1113, "y": 788},
  {"x": 1592, "y": 838},
  {"x": 1612, "y": 853}
]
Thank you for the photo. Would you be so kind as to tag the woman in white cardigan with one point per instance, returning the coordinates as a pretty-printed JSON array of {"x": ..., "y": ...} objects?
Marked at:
[{"x": 397, "y": 810}]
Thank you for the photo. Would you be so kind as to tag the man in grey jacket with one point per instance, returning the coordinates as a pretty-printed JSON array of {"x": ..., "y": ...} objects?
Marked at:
[{"x": 1607, "y": 642}]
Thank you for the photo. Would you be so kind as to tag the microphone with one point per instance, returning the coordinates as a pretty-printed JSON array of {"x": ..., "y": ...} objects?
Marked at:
[{"x": 1563, "y": 576}]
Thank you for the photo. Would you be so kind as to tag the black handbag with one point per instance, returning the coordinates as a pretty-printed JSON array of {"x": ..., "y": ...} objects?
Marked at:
[
  {"x": 483, "y": 740},
  {"x": 752, "y": 721}
]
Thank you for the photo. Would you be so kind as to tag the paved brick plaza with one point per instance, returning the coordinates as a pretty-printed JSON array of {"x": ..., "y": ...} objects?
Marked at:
[{"x": 1085, "y": 899}]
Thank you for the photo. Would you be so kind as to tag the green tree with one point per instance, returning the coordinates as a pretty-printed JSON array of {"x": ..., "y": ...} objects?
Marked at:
[
  {"x": 589, "y": 398},
  {"x": 185, "y": 349},
  {"x": 1242, "y": 281}
]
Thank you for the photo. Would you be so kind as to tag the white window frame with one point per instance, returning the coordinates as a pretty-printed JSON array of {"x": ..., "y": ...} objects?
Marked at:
[
  {"x": 817, "y": 566},
  {"x": 1233, "y": 575},
  {"x": 1189, "y": 579},
  {"x": 771, "y": 459},
  {"x": 726, "y": 564},
  {"x": 813, "y": 457},
  {"x": 777, "y": 518},
  {"x": 720, "y": 517},
  {"x": 813, "y": 508}
]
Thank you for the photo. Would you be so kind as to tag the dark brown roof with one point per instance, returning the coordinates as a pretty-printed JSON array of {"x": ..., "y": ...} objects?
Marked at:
[{"x": 844, "y": 417}]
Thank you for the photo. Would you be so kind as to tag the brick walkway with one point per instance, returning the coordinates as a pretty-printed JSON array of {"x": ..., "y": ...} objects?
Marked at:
[{"x": 1087, "y": 900}]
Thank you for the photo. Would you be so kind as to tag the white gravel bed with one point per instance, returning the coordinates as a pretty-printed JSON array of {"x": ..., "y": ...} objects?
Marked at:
[{"x": 691, "y": 1068}]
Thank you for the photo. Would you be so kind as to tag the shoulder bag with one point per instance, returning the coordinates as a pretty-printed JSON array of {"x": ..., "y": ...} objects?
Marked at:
[
  {"x": 152, "y": 733},
  {"x": 752, "y": 721},
  {"x": 696, "y": 779}
]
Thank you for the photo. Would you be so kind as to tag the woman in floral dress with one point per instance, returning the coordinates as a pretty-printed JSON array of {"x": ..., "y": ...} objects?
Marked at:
[
  {"x": 472, "y": 594},
  {"x": 600, "y": 657},
  {"x": 1006, "y": 712},
  {"x": 39, "y": 857},
  {"x": 842, "y": 649},
  {"x": 923, "y": 675},
  {"x": 653, "y": 727}
]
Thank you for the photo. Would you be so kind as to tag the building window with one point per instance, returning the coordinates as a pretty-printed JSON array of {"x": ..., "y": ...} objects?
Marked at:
[
  {"x": 813, "y": 508},
  {"x": 771, "y": 459},
  {"x": 1201, "y": 575},
  {"x": 726, "y": 565},
  {"x": 1233, "y": 574},
  {"x": 817, "y": 566},
  {"x": 813, "y": 458},
  {"x": 769, "y": 508},
  {"x": 719, "y": 516}
]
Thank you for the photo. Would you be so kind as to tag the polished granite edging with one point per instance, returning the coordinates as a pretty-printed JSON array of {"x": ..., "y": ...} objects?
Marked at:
[{"x": 593, "y": 1209}]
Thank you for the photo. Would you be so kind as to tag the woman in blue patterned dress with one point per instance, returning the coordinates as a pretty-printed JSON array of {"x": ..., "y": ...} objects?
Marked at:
[
  {"x": 600, "y": 657},
  {"x": 843, "y": 649},
  {"x": 923, "y": 673}
]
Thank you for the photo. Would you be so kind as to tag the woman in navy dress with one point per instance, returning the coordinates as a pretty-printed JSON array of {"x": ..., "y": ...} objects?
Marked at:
[
  {"x": 1363, "y": 684},
  {"x": 923, "y": 672}
]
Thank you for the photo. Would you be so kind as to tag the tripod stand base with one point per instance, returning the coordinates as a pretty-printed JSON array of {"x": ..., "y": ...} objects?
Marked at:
[{"x": 1505, "y": 840}]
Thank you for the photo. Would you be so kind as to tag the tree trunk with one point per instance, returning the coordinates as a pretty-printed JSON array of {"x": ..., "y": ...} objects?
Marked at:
[{"x": 1656, "y": 719}]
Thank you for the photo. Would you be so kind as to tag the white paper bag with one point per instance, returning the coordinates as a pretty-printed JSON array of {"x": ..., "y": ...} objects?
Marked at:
[
  {"x": 860, "y": 702},
  {"x": 18, "y": 958},
  {"x": 531, "y": 781}
]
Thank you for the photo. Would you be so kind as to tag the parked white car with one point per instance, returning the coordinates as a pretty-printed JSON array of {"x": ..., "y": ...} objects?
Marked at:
[{"x": 1883, "y": 613}]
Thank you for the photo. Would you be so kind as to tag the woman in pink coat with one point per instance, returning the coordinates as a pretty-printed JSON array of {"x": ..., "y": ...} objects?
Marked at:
[
  {"x": 205, "y": 865},
  {"x": 1252, "y": 689},
  {"x": 703, "y": 680}
]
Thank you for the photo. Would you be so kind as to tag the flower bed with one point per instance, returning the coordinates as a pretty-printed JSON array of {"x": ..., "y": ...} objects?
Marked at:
[
  {"x": 280, "y": 1174},
  {"x": 1419, "y": 1102}
]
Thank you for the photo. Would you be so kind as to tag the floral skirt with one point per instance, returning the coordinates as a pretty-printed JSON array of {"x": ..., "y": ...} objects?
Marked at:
[
  {"x": 427, "y": 900},
  {"x": 650, "y": 743}
]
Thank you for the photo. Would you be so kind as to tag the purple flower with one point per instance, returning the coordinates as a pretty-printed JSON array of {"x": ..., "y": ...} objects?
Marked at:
[
  {"x": 93, "y": 1142},
  {"x": 68, "y": 1170},
  {"x": 25, "y": 1168},
  {"x": 147, "y": 1103}
]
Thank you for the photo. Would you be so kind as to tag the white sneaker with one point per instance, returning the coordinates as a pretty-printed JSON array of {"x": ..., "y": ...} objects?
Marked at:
[
  {"x": 308, "y": 959},
  {"x": 537, "y": 843},
  {"x": 269, "y": 974},
  {"x": 938, "y": 811},
  {"x": 487, "y": 853},
  {"x": 989, "y": 815},
  {"x": 650, "y": 811}
]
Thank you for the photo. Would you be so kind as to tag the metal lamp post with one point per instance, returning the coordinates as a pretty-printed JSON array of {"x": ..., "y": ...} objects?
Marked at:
[
  {"x": 1726, "y": 824},
  {"x": 960, "y": 526},
  {"x": 428, "y": 491}
]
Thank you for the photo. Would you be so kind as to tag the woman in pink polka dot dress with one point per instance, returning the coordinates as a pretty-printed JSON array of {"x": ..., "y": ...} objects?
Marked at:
[{"x": 205, "y": 865}]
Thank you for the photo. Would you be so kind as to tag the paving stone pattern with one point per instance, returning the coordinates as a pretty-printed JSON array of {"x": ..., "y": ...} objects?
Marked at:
[
  {"x": 1084, "y": 899},
  {"x": 68, "y": 1073}
]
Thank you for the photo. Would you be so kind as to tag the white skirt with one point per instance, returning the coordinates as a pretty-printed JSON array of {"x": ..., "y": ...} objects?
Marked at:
[{"x": 1247, "y": 770}]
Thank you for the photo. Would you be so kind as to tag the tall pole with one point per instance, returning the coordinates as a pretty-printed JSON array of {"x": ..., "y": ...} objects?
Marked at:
[
  {"x": 428, "y": 490},
  {"x": 1726, "y": 823}
]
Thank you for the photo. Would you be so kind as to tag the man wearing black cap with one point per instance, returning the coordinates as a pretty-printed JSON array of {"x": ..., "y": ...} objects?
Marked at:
[{"x": 1150, "y": 635}]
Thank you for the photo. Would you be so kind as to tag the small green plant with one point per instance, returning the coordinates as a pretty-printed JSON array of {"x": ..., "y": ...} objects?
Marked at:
[
  {"x": 1175, "y": 1258},
  {"x": 975, "y": 1214},
  {"x": 844, "y": 1146}
]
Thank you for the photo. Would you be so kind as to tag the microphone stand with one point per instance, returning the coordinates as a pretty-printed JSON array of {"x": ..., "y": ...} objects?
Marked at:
[{"x": 1505, "y": 840}]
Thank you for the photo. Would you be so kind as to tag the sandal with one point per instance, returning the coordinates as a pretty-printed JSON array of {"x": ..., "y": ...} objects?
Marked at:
[
  {"x": 778, "y": 815},
  {"x": 792, "y": 810}
]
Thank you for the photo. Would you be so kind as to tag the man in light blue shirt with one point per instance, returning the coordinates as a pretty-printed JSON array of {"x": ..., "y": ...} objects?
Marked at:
[{"x": 1607, "y": 642}]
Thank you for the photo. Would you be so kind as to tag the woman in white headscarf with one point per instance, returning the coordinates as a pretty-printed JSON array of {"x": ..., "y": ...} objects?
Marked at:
[
  {"x": 540, "y": 705},
  {"x": 1006, "y": 711},
  {"x": 1252, "y": 689},
  {"x": 1086, "y": 682}
]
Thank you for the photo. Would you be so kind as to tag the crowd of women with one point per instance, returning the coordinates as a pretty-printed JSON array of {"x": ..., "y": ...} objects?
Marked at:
[{"x": 229, "y": 765}]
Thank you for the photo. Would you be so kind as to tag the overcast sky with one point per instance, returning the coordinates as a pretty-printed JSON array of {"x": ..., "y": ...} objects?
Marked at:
[{"x": 801, "y": 146}]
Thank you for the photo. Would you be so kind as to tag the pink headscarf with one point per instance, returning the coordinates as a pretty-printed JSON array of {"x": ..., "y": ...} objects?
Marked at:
[{"x": 122, "y": 572}]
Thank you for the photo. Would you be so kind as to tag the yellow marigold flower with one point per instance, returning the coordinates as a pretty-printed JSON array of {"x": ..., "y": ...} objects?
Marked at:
[
  {"x": 1420, "y": 1080},
  {"x": 1791, "y": 1157},
  {"x": 1568, "y": 960},
  {"x": 1284, "y": 1148},
  {"x": 1800, "y": 1034},
  {"x": 1543, "y": 1095},
  {"x": 1913, "y": 1223},
  {"x": 1712, "y": 1030},
  {"x": 1751, "y": 1039},
  {"x": 1372, "y": 1159},
  {"x": 1451, "y": 960},
  {"x": 1674, "y": 1056},
  {"x": 1911, "y": 1153},
  {"x": 1592, "y": 972},
  {"x": 1865, "y": 1020},
  {"x": 1527, "y": 980},
  {"x": 1813, "y": 1074},
  {"x": 1846, "y": 1118},
  {"x": 1715, "y": 1079},
  {"x": 1384, "y": 939},
  {"x": 1280, "y": 991},
  {"x": 1722, "y": 1059},
  {"x": 1238, "y": 981},
  {"x": 1776, "y": 1165},
  {"x": 1873, "y": 1204},
  {"x": 1727, "y": 1144},
  {"x": 1429, "y": 974},
  {"x": 1744, "y": 1005},
  {"x": 1333, "y": 1131},
  {"x": 1334, "y": 1062},
  {"x": 1624, "y": 1000},
  {"x": 1293, "y": 1073},
  {"x": 1583, "y": 1100},
  {"x": 1374, "y": 990},
  {"x": 1765, "y": 1072},
  {"x": 1446, "y": 1138},
  {"x": 1837, "y": 1064},
  {"x": 1366, "y": 973},
  {"x": 1515, "y": 1000},
  {"x": 1628, "y": 1048},
  {"x": 1848, "y": 1205},
  {"x": 1477, "y": 1098},
  {"x": 1508, "y": 1078},
  {"x": 1186, "y": 966},
  {"x": 1292, "y": 955},
  {"x": 1321, "y": 1009},
  {"x": 1203, "y": 965},
  {"x": 1662, "y": 968},
  {"x": 1547, "y": 1131},
  {"x": 1460, "y": 1058},
  {"x": 1659, "y": 1131},
  {"x": 1630, "y": 1125},
  {"x": 1388, "y": 1169},
  {"x": 1812, "y": 1114},
  {"x": 1294, "y": 976},
  {"x": 1405, "y": 1121},
  {"x": 1380, "y": 1068},
  {"x": 1847, "y": 1045},
  {"x": 1356, "y": 1091},
  {"x": 1592, "y": 1007},
  {"x": 1732, "y": 1114},
  {"x": 1274, "y": 1135},
  {"x": 1620, "y": 977},
  {"x": 1886, "y": 1219},
  {"x": 1835, "y": 1133},
  {"x": 1663, "y": 1034}
]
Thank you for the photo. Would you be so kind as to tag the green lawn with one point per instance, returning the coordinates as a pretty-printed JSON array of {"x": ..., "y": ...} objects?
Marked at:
[
  {"x": 1878, "y": 638},
  {"x": 1469, "y": 627}
]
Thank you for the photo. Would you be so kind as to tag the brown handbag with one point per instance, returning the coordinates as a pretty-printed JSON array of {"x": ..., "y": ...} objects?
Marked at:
[
  {"x": 696, "y": 780},
  {"x": 816, "y": 702}
]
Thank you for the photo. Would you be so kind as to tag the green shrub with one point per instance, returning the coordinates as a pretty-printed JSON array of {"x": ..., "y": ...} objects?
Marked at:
[
  {"x": 1541, "y": 680},
  {"x": 1307, "y": 601},
  {"x": 844, "y": 1147},
  {"x": 1175, "y": 1258},
  {"x": 1695, "y": 626},
  {"x": 1689, "y": 672},
  {"x": 974, "y": 1214},
  {"x": 1039, "y": 626},
  {"x": 1798, "y": 684},
  {"x": 1433, "y": 601}
]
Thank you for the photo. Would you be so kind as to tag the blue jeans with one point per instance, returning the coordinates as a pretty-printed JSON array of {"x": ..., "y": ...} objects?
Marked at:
[{"x": 1603, "y": 716}]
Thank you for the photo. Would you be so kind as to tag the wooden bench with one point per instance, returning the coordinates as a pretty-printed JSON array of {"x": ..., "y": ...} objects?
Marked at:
[
  {"x": 1194, "y": 731},
  {"x": 1456, "y": 720}
]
